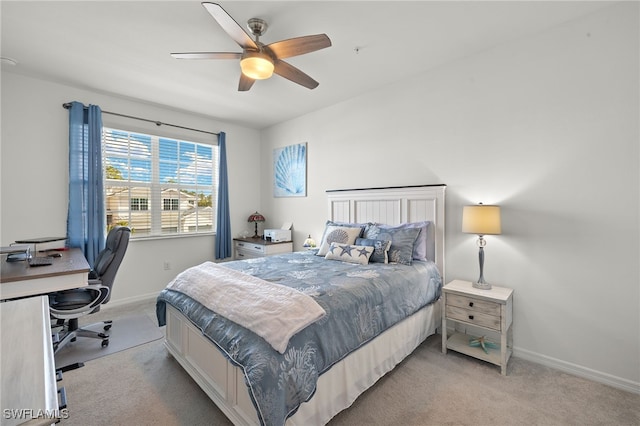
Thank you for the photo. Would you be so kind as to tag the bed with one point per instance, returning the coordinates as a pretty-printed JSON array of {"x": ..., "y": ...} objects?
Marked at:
[{"x": 326, "y": 365}]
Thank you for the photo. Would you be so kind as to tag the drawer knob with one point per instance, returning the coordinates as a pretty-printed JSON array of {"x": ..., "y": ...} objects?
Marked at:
[
  {"x": 471, "y": 304},
  {"x": 470, "y": 317}
]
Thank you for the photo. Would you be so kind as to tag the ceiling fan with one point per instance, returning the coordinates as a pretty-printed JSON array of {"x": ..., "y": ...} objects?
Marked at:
[{"x": 259, "y": 61}]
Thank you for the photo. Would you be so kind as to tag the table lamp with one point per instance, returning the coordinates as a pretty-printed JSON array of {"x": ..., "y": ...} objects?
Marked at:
[
  {"x": 255, "y": 218},
  {"x": 309, "y": 243},
  {"x": 481, "y": 220}
]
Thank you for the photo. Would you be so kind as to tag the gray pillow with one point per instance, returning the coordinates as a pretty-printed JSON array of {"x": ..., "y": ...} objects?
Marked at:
[
  {"x": 402, "y": 241},
  {"x": 424, "y": 247},
  {"x": 380, "y": 249}
]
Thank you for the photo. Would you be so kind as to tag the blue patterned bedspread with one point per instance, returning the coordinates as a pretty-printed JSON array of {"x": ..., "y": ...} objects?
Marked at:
[{"x": 361, "y": 302}]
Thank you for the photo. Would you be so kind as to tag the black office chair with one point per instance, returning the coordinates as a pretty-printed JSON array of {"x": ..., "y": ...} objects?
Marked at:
[{"x": 69, "y": 305}]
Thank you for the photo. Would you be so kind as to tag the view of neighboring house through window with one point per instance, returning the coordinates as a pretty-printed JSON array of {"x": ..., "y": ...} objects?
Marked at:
[{"x": 159, "y": 186}]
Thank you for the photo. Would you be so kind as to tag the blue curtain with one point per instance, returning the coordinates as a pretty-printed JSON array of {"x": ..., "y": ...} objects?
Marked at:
[
  {"x": 223, "y": 224},
  {"x": 86, "y": 220}
]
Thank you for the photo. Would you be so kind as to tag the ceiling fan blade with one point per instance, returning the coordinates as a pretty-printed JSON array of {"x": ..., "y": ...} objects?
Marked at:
[
  {"x": 207, "y": 55},
  {"x": 230, "y": 26},
  {"x": 292, "y": 73},
  {"x": 299, "y": 45},
  {"x": 245, "y": 83}
]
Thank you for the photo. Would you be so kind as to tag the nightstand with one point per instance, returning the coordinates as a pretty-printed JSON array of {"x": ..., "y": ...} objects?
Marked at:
[
  {"x": 250, "y": 248},
  {"x": 489, "y": 311}
]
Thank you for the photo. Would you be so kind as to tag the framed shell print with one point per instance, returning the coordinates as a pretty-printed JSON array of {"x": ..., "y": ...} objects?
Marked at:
[{"x": 290, "y": 171}]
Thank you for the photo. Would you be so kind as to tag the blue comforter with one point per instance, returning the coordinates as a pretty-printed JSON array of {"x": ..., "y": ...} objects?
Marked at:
[{"x": 361, "y": 301}]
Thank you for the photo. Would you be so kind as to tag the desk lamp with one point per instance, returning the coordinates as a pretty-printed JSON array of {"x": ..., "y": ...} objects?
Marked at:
[
  {"x": 482, "y": 220},
  {"x": 255, "y": 218}
]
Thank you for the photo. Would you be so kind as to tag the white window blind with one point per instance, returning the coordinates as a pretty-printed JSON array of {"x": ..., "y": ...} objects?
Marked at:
[{"x": 159, "y": 186}]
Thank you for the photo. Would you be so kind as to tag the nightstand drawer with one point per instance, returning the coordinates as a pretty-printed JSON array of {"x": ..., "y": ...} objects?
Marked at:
[
  {"x": 246, "y": 254},
  {"x": 250, "y": 248},
  {"x": 473, "y": 317},
  {"x": 470, "y": 312},
  {"x": 256, "y": 249},
  {"x": 474, "y": 305}
]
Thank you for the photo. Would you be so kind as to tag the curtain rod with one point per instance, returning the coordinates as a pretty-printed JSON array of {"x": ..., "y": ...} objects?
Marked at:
[{"x": 67, "y": 105}]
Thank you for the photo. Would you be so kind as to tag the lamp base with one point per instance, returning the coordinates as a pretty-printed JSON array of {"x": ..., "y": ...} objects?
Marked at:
[{"x": 481, "y": 285}]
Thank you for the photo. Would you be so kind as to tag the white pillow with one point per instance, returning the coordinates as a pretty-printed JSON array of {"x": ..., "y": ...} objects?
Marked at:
[
  {"x": 349, "y": 253},
  {"x": 338, "y": 234}
]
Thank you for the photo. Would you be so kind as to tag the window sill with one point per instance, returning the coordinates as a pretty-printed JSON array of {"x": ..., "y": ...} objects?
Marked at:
[{"x": 170, "y": 236}]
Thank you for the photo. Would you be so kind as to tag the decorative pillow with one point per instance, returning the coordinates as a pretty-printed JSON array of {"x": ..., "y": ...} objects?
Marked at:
[
  {"x": 402, "y": 240},
  {"x": 380, "y": 249},
  {"x": 339, "y": 234},
  {"x": 348, "y": 225},
  {"x": 349, "y": 253},
  {"x": 424, "y": 247}
]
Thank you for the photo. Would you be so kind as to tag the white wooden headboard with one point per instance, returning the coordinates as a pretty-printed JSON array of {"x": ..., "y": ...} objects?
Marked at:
[{"x": 393, "y": 206}]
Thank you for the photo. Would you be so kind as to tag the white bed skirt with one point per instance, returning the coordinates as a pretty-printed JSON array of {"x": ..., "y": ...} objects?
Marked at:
[{"x": 337, "y": 388}]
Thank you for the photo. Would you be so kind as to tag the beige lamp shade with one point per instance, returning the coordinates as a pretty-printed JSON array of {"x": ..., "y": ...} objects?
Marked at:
[{"x": 481, "y": 220}]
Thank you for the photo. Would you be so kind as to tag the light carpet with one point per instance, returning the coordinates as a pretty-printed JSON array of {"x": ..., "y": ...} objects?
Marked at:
[
  {"x": 125, "y": 333},
  {"x": 146, "y": 386}
]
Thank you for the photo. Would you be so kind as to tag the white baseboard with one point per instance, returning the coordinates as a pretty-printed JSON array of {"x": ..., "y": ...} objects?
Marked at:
[{"x": 578, "y": 370}]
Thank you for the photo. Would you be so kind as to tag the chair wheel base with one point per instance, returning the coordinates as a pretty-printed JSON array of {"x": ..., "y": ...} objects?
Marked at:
[
  {"x": 71, "y": 366},
  {"x": 105, "y": 343},
  {"x": 107, "y": 324}
]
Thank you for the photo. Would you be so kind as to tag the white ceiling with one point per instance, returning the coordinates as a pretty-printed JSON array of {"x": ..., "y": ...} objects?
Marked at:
[{"x": 123, "y": 48}]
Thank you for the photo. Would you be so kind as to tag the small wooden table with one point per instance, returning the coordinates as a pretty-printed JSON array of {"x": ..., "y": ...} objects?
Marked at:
[
  {"x": 250, "y": 248},
  {"x": 489, "y": 311}
]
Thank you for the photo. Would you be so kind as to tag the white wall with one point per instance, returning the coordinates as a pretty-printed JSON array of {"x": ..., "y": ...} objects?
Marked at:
[
  {"x": 34, "y": 161},
  {"x": 547, "y": 127}
]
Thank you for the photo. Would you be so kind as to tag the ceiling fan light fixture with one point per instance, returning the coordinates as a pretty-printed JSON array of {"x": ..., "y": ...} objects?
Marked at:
[
  {"x": 258, "y": 60},
  {"x": 257, "y": 65}
]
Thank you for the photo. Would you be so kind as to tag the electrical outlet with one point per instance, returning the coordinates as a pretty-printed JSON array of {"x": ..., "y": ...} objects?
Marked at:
[{"x": 167, "y": 265}]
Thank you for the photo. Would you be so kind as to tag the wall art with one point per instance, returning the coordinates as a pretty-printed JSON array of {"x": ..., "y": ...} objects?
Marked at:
[{"x": 290, "y": 171}]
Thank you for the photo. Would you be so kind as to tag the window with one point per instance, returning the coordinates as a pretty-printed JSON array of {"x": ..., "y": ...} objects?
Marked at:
[
  {"x": 159, "y": 186},
  {"x": 139, "y": 204},
  {"x": 170, "y": 204}
]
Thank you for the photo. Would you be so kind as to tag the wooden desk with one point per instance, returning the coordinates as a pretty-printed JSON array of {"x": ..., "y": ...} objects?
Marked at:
[
  {"x": 18, "y": 279},
  {"x": 29, "y": 392}
]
